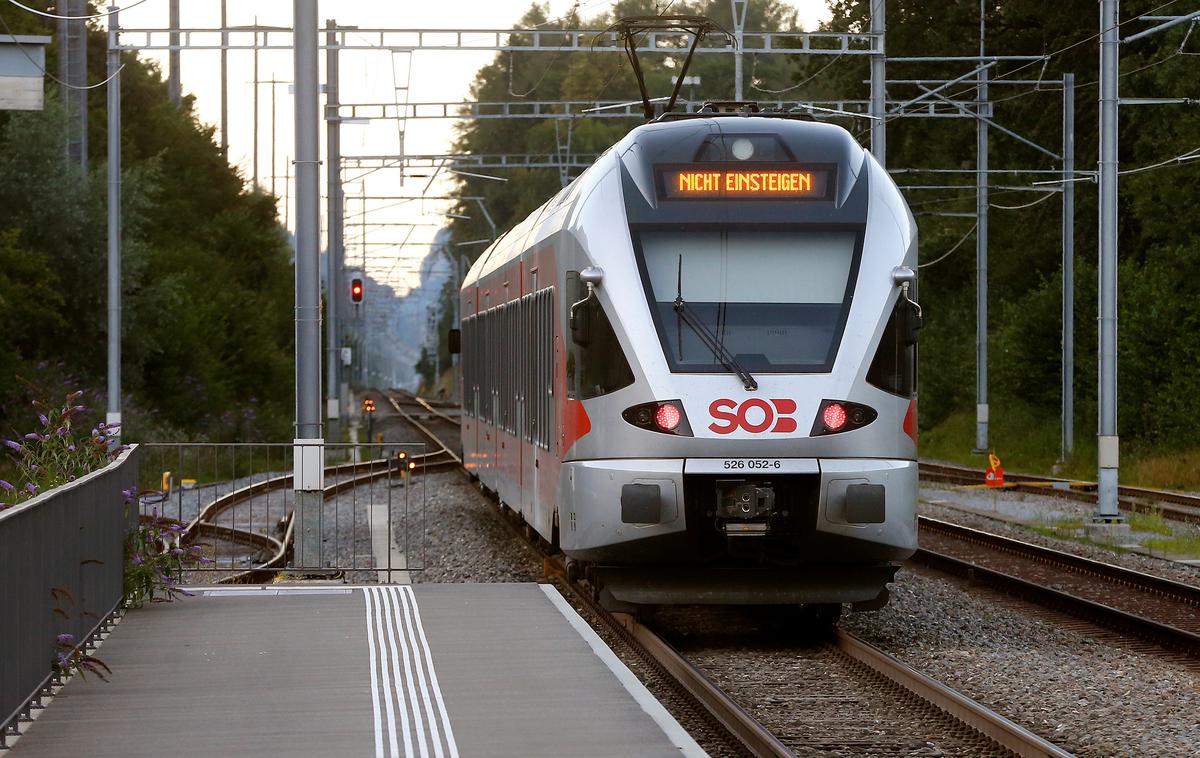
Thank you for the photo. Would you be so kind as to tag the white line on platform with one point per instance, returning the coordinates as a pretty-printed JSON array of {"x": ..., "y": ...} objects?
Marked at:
[
  {"x": 675, "y": 733},
  {"x": 403, "y": 678}
]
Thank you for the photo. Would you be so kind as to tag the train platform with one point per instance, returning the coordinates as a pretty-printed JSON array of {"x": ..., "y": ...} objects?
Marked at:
[{"x": 429, "y": 670}]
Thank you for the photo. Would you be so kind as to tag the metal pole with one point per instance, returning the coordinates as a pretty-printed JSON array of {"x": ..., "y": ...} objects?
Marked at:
[
  {"x": 333, "y": 246},
  {"x": 174, "y": 90},
  {"x": 1068, "y": 247},
  {"x": 878, "y": 78},
  {"x": 1108, "y": 446},
  {"x": 739, "y": 27},
  {"x": 981, "y": 257},
  {"x": 224, "y": 84},
  {"x": 309, "y": 458},
  {"x": 113, "y": 415},
  {"x": 254, "y": 99},
  {"x": 273, "y": 83}
]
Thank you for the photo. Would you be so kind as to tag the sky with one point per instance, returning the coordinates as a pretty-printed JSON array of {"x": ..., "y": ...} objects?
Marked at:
[{"x": 396, "y": 240}]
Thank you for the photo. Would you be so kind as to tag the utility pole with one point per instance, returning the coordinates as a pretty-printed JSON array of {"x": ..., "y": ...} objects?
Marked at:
[
  {"x": 878, "y": 81},
  {"x": 333, "y": 246},
  {"x": 739, "y": 27},
  {"x": 1108, "y": 445},
  {"x": 309, "y": 446},
  {"x": 1068, "y": 251},
  {"x": 254, "y": 99},
  {"x": 224, "y": 83},
  {"x": 174, "y": 87},
  {"x": 981, "y": 252},
  {"x": 113, "y": 415}
]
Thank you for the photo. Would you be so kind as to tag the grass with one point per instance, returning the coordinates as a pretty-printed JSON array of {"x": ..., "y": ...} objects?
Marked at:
[
  {"x": 1149, "y": 522},
  {"x": 1027, "y": 441},
  {"x": 1187, "y": 546}
]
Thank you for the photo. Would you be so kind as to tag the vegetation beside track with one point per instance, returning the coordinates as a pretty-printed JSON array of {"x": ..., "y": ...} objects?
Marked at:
[{"x": 207, "y": 276}]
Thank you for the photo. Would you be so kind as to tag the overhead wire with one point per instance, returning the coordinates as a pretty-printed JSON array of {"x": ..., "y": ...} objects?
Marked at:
[
  {"x": 957, "y": 245},
  {"x": 46, "y": 14}
]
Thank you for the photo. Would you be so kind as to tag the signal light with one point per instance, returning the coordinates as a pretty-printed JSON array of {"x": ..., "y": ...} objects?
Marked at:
[
  {"x": 664, "y": 416},
  {"x": 667, "y": 417},
  {"x": 356, "y": 290},
  {"x": 368, "y": 405},
  {"x": 834, "y": 416}
]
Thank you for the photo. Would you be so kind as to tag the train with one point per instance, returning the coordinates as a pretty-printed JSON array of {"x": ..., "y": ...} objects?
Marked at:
[{"x": 693, "y": 369}]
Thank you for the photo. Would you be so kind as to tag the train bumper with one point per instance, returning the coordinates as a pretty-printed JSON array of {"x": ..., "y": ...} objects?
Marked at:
[{"x": 668, "y": 510}]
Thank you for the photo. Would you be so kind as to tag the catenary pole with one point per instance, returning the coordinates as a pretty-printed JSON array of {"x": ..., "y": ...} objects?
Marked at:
[
  {"x": 878, "y": 105},
  {"x": 174, "y": 86},
  {"x": 254, "y": 107},
  {"x": 309, "y": 457},
  {"x": 1107, "y": 453},
  {"x": 224, "y": 83},
  {"x": 113, "y": 415},
  {"x": 981, "y": 253},
  {"x": 333, "y": 246},
  {"x": 739, "y": 28},
  {"x": 1068, "y": 251}
]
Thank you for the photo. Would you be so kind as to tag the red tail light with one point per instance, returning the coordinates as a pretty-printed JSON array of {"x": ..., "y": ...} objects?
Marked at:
[
  {"x": 664, "y": 416},
  {"x": 834, "y": 416},
  {"x": 667, "y": 417}
]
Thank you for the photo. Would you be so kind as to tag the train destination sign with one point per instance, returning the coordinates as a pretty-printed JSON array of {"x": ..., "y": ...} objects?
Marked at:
[{"x": 765, "y": 182}]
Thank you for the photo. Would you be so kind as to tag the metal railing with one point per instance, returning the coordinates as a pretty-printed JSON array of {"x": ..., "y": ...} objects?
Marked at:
[
  {"x": 61, "y": 572},
  {"x": 237, "y": 501}
]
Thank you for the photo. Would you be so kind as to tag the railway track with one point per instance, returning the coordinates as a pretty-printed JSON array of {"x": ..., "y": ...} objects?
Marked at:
[
  {"x": 1178, "y": 506},
  {"x": 1148, "y": 607},
  {"x": 702, "y": 705}
]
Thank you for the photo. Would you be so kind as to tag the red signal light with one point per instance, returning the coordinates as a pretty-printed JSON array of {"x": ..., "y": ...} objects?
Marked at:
[
  {"x": 834, "y": 416},
  {"x": 356, "y": 290},
  {"x": 667, "y": 417}
]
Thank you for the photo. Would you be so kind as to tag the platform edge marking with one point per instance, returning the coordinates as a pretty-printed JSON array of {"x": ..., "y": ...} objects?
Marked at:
[
  {"x": 385, "y": 670},
  {"x": 447, "y": 729},
  {"x": 374, "y": 677},
  {"x": 421, "y": 738},
  {"x": 650, "y": 704},
  {"x": 399, "y": 688},
  {"x": 431, "y": 714}
]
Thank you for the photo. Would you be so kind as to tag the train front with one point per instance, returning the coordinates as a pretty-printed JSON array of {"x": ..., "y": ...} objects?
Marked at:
[{"x": 742, "y": 353}]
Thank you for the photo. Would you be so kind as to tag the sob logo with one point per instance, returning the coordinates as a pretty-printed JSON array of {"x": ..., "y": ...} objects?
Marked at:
[{"x": 753, "y": 415}]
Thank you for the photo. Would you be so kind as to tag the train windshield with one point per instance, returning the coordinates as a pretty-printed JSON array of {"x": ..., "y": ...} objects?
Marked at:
[{"x": 775, "y": 300}]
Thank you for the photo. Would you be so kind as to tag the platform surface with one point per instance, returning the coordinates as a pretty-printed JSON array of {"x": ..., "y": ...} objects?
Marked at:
[{"x": 433, "y": 670}]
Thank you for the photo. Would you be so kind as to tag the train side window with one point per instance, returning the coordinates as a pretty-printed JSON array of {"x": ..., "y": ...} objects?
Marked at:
[
  {"x": 894, "y": 367},
  {"x": 600, "y": 366}
]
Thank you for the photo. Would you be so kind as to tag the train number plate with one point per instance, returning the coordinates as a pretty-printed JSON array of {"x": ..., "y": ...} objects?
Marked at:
[{"x": 751, "y": 466}]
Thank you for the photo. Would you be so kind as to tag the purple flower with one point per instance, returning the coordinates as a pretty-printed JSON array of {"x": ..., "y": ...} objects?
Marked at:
[
  {"x": 137, "y": 559},
  {"x": 5, "y": 486},
  {"x": 64, "y": 639},
  {"x": 63, "y": 660},
  {"x": 61, "y": 431},
  {"x": 33, "y": 437},
  {"x": 33, "y": 488},
  {"x": 34, "y": 468},
  {"x": 177, "y": 551},
  {"x": 127, "y": 493},
  {"x": 14, "y": 445},
  {"x": 79, "y": 408},
  {"x": 71, "y": 478},
  {"x": 42, "y": 418},
  {"x": 71, "y": 447},
  {"x": 102, "y": 425}
]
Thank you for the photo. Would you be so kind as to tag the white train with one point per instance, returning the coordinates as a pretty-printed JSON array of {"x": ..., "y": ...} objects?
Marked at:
[{"x": 694, "y": 368}]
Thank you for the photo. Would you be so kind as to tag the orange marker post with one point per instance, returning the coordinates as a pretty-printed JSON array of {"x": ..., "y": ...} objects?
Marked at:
[{"x": 993, "y": 475}]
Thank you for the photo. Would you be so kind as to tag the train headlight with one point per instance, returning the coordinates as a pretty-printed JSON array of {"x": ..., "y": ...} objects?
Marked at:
[
  {"x": 664, "y": 416},
  {"x": 836, "y": 416}
]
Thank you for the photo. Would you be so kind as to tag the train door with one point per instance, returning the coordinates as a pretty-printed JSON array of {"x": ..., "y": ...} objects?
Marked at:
[{"x": 525, "y": 345}]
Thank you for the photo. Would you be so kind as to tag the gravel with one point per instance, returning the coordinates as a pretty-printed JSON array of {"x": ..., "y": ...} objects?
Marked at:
[
  {"x": 1180, "y": 572},
  {"x": 1091, "y": 698}
]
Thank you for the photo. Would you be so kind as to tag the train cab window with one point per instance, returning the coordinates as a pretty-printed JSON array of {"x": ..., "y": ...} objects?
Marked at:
[
  {"x": 597, "y": 366},
  {"x": 777, "y": 300},
  {"x": 894, "y": 368}
]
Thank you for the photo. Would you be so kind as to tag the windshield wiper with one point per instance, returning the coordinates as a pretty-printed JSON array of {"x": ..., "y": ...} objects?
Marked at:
[{"x": 685, "y": 314}]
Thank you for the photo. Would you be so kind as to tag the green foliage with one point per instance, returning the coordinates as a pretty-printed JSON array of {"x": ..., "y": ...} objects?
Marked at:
[{"x": 206, "y": 268}]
